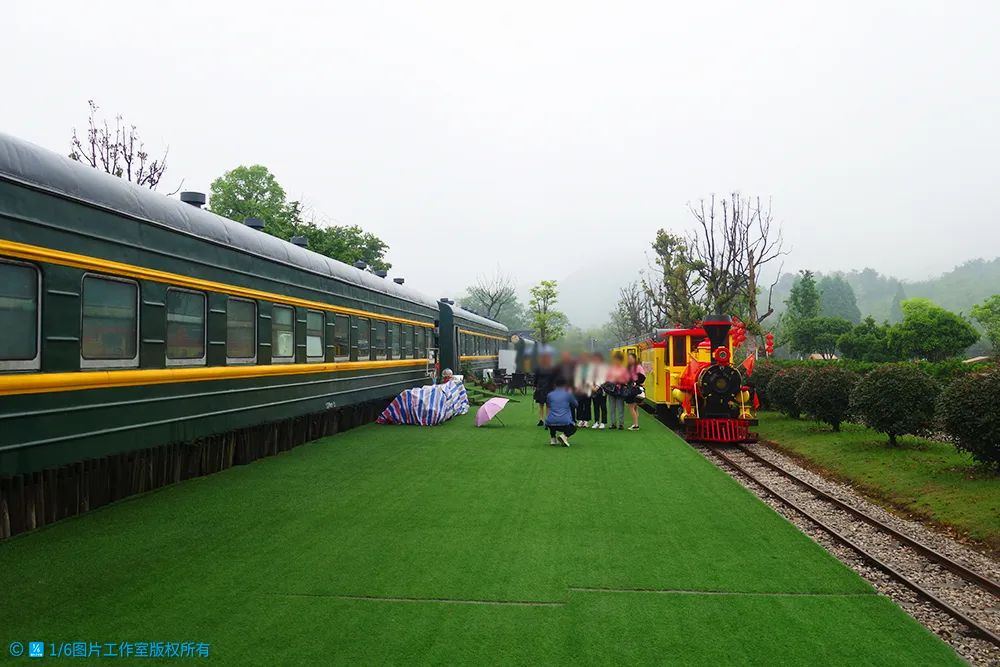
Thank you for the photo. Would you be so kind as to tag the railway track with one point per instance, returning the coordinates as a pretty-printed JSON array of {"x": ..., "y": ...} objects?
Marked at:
[{"x": 973, "y": 620}]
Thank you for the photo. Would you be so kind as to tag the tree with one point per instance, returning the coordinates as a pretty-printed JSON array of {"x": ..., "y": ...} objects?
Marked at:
[
  {"x": 254, "y": 192},
  {"x": 867, "y": 341},
  {"x": 782, "y": 390},
  {"x": 930, "y": 332},
  {"x": 896, "y": 309},
  {"x": 118, "y": 151},
  {"x": 895, "y": 399},
  {"x": 493, "y": 294},
  {"x": 987, "y": 314},
  {"x": 547, "y": 323},
  {"x": 672, "y": 290},
  {"x": 633, "y": 314},
  {"x": 817, "y": 334},
  {"x": 804, "y": 300},
  {"x": 836, "y": 299},
  {"x": 733, "y": 242},
  {"x": 970, "y": 413},
  {"x": 825, "y": 394}
]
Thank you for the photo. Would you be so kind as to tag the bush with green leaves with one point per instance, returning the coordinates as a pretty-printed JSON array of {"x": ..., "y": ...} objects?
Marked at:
[
  {"x": 969, "y": 411},
  {"x": 895, "y": 399},
  {"x": 763, "y": 373},
  {"x": 784, "y": 386},
  {"x": 825, "y": 394}
]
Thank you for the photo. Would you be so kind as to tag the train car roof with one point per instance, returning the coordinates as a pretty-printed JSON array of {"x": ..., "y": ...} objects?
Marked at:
[
  {"x": 477, "y": 319},
  {"x": 36, "y": 167}
]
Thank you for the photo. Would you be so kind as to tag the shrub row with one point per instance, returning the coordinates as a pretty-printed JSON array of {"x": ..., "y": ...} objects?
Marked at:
[{"x": 895, "y": 399}]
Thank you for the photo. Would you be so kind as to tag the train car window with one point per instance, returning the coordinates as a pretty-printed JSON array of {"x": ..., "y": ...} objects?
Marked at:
[
  {"x": 397, "y": 340},
  {"x": 19, "y": 297},
  {"x": 680, "y": 351},
  {"x": 379, "y": 345},
  {"x": 241, "y": 331},
  {"x": 407, "y": 341},
  {"x": 695, "y": 341},
  {"x": 185, "y": 327},
  {"x": 342, "y": 337},
  {"x": 364, "y": 339},
  {"x": 283, "y": 334},
  {"x": 315, "y": 324},
  {"x": 110, "y": 323},
  {"x": 419, "y": 348}
]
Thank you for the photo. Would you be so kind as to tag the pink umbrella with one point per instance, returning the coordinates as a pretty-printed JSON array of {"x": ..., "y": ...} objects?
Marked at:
[{"x": 489, "y": 410}]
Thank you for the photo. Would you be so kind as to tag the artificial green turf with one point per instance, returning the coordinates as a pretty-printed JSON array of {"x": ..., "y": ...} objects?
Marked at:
[
  {"x": 932, "y": 480},
  {"x": 277, "y": 562}
]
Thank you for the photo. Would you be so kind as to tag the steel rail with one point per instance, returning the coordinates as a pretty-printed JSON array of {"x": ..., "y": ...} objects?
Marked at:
[
  {"x": 972, "y": 624},
  {"x": 952, "y": 565}
]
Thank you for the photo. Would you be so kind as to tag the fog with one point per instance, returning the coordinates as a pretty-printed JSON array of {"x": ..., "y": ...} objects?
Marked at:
[{"x": 551, "y": 138}]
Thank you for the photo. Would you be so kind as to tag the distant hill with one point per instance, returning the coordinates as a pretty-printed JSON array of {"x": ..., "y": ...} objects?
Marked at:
[{"x": 957, "y": 290}]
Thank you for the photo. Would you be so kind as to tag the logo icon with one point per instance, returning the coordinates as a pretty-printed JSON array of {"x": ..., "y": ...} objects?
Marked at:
[{"x": 36, "y": 649}]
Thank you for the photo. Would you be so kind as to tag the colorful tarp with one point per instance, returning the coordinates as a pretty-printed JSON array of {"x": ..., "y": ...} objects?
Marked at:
[{"x": 427, "y": 406}]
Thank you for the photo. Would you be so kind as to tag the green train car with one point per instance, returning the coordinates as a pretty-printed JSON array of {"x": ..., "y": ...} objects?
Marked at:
[{"x": 145, "y": 340}]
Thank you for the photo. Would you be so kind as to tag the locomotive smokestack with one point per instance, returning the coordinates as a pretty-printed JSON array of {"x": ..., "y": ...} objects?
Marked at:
[{"x": 717, "y": 328}]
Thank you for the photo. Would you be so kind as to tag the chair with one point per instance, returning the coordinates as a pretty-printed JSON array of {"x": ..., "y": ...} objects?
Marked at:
[
  {"x": 517, "y": 381},
  {"x": 500, "y": 379}
]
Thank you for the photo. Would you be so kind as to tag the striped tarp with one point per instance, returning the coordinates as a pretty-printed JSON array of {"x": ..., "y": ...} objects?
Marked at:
[{"x": 427, "y": 406}]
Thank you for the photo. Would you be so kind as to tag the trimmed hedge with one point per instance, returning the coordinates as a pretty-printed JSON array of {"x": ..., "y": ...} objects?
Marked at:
[
  {"x": 825, "y": 394},
  {"x": 896, "y": 399},
  {"x": 783, "y": 388},
  {"x": 969, "y": 410}
]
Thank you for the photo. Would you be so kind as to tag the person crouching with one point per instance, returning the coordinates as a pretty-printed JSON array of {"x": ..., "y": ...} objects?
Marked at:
[{"x": 561, "y": 404}]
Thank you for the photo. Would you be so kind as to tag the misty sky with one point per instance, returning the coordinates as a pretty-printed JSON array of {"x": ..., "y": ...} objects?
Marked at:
[{"x": 551, "y": 136}]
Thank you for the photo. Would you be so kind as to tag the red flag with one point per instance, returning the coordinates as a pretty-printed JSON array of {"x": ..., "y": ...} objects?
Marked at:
[
  {"x": 756, "y": 401},
  {"x": 748, "y": 364}
]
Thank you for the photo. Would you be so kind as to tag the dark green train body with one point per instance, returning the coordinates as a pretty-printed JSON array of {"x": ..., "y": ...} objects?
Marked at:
[{"x": 130, "y": 321}]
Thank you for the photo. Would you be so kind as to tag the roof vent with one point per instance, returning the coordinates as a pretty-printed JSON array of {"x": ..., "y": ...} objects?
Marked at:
[
  {"x": 361, "y": 264},
  {"x": 381, "y": 273},
  {"x": 254, "y": 223},
  {"x": 446, "y": 300},
  {"x": 399, "y": 281},
  {"x": 300, "y": 241},
  {"x": 196, "y": 199}
]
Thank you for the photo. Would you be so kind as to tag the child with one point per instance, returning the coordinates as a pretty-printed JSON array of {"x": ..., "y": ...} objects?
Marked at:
[
  {"x": 597, "y": 376},
  {"x": 560, "y": 418},
  {"x": 636, "y": 378}
]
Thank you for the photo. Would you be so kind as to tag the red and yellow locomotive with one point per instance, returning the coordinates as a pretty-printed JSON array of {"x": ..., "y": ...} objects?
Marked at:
[{"x": 693, "y": 382}]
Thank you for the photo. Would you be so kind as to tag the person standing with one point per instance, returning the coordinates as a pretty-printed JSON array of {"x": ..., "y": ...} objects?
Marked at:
[
  {"x": 581, "y": 391},
  {"x": 635, "y": 393},
  {"x": 615, "y": 388},
  {"x": 597, "y": 376},
  {"x": 561, "y": 404},
  {"x": 544, "y": 378}
]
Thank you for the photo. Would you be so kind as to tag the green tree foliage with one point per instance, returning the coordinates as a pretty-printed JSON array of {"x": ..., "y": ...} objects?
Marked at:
[
  {"x": 254, "y": 192},
  {"x": 547, "y": 323},
  {"x": 825, "y": 394},
  {"x": 782, "y": 390},
  {"x": 674, "y": 294},
  {"x": 896, "y": 309},
  {"x": 804, "y": 300},
  {"x": 987, "y": 314},
  {"x": 970, "y": 413},
  {"x": 895, "y": 399},
  {"x": 837, "y": 299},
  {"x": 817, "y": 334},
  {"x": 867, "y": 341},
  {"x": 930, "y": 332}
]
